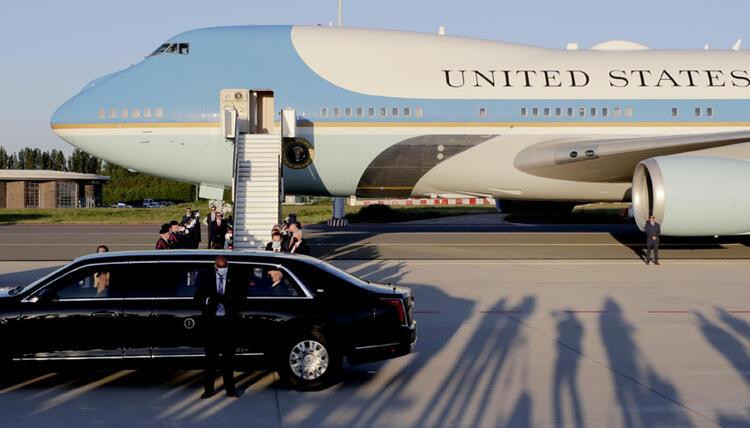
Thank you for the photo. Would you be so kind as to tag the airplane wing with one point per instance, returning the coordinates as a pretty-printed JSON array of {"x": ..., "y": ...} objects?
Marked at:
[{"x": 612, "y": 160}]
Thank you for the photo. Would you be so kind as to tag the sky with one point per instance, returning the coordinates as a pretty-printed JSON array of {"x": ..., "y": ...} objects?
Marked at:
[{"x": 50, "y": 49}]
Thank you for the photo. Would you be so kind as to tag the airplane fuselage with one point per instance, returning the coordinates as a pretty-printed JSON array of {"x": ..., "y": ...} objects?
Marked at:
[{"x": 402, "y": 114}]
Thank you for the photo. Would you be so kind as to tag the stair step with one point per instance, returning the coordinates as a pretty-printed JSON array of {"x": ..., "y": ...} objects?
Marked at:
[
  {"x": 256, "y": 188},
  {"x": 247, "y": 221},
  {"x": 259, "y": 213},
  {"x": 259, "y": 195}
]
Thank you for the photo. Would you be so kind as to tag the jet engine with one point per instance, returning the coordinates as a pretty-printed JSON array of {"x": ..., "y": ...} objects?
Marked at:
[{"x": 693, "y": 195}]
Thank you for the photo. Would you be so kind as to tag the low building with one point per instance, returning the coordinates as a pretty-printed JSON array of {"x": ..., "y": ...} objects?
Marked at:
[{"x": 34, "y": 188}]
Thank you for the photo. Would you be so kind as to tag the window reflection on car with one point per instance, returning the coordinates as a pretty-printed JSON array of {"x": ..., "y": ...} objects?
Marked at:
[
  {"x": 84, "y": 284},
  {"x": 269, "y": 281}
]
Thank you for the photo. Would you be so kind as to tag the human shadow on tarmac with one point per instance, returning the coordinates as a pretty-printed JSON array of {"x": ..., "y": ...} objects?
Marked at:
[
  {"x": 733, "y": 350},
  {"x": 645, "y": 399},
  {"x": 478, "y": 371},
  {"x": 569, "y": 349},
  {"x": 521, "y": 415},
  {"x": 36, "y": 396},
  {"x": 438, "y": 321},
  {"x": 739, "y": 325}
]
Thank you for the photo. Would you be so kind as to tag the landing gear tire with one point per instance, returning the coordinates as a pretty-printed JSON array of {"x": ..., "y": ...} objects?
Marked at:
[{"x": 309, "y": 362}]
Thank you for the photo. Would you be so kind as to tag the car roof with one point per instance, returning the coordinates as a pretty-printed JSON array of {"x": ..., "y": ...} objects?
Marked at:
[{"x": 176, "y": 254}]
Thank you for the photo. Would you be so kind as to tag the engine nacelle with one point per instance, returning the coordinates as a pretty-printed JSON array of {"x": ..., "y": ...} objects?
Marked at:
[{"x": 693, "y": 195}]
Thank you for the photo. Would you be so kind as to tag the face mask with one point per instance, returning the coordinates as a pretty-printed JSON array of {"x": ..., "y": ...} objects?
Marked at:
[
  {"x": 222, "y": 271},
  {"x": 276, "y": 245}
]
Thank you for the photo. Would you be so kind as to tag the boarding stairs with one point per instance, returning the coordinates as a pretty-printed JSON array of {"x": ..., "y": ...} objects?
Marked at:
[{"x": 257, "y": 188}]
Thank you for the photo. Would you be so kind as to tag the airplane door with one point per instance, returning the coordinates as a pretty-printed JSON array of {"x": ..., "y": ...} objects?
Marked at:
[{"x": 262, "y": 105}]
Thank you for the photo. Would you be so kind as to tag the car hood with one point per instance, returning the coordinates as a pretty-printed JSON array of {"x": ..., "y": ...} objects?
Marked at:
[{"x": 8, "y": 291}]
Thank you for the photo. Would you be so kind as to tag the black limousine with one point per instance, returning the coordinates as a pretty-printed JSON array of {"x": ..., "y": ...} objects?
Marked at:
[{"x": 136, "y": 306}]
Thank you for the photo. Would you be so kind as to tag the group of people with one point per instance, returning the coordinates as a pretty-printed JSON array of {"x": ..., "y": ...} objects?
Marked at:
[
  {"x": 186, "y": 233},
  {"x": 288, "y": 238}
]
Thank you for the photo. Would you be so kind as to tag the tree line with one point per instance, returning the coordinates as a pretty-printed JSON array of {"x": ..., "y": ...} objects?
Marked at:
[
  {"x": 123, "y": 186},
  {"x": 33, "y": 158},
  {"x": 134, "y": 187}
]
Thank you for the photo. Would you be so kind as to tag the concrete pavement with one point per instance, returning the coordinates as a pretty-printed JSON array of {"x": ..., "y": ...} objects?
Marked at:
[{"x": 501, "y": 343}]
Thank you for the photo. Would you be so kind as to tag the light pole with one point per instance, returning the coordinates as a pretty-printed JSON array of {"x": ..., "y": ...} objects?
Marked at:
[{"x": 340, "y": 20}]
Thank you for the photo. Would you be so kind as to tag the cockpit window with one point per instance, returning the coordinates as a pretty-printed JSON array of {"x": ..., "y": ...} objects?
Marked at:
[{"x": 172, "y": 48}]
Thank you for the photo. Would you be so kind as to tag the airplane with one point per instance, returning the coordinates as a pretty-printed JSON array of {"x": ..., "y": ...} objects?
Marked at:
[{"x": 401, "y": 114}]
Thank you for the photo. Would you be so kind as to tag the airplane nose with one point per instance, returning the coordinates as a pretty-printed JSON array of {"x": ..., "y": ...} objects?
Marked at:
[
  {"x": 62, "y": 118},
  {"x": 78, "y": 111},
  {"x": 71, "y": 111}
]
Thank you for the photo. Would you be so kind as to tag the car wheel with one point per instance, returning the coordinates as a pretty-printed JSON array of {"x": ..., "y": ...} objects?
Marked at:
[{"x": 309, "y": 362}]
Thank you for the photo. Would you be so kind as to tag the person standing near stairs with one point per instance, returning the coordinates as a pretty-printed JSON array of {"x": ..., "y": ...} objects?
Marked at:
[
  {"x": 220, "y": 229},
  {"x": 210, "y": 222}
]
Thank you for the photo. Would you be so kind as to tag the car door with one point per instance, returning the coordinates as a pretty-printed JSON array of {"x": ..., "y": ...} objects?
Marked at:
[
  {"x": 77, "y": 316},
  {"x": 270, "y": 311},
  {"x": 139, "y": 293},
  {"x": 175, "y": 325},
  {"x": 351, "y": 309}
]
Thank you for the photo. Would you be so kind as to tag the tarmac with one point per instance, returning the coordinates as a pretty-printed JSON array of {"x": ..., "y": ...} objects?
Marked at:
[
  {"x": 474, "y": 237},
  {"x": 538, "y": 336}
]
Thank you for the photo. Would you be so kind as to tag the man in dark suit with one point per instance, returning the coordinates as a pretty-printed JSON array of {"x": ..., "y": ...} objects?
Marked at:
[
  {"x": 288, "y": 239},
  {"x": 210, "y": 222},
  {"x": 188, "y": 215},
  {"x": 192, "y": 221},
  {"x": 653, "y": 230},
  {"x": 298, "y": 245},
  {"x": 219, "y": 231},
  {"x": 278, "y": 285},
  {"x": 219, "y": 298}
]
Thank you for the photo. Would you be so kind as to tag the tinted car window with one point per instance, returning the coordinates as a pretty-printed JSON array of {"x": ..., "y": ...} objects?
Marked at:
[
  {"x": 267, "y": 281},
  {"x": 89, "y": 283},
  {"x": 319, "y": 280},
  {"x": 167, "y": 279}
]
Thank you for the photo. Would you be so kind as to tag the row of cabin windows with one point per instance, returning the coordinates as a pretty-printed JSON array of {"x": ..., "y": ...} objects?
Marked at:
[
  {"x": 594, "y": 112},
  {"x": 697, "y": 112},
  {"x": 371, "y": 112},
  {"x": 135, "y": 113},
  {"x": 572, "y": 112}
]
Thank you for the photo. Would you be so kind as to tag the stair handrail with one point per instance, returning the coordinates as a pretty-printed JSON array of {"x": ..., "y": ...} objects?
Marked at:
[{"x": 235, "y": 168}]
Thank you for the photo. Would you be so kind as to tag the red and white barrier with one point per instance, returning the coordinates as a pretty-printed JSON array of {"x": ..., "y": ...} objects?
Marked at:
[{"x": 423, "y": 202}]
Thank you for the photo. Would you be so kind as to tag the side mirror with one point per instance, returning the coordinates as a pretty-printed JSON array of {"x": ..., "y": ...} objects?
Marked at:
[{"x": 44, "y": 295}]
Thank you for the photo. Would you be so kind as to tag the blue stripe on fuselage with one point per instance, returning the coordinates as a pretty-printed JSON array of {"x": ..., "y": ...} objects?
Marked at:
[{"x": 187, "y": 88}]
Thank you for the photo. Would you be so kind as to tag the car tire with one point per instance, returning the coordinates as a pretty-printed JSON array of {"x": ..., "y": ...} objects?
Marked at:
[{"x": 309, "y": 362}]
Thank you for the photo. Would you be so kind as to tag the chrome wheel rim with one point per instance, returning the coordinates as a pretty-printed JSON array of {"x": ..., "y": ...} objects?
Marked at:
[{"x": 308, "y": 360}]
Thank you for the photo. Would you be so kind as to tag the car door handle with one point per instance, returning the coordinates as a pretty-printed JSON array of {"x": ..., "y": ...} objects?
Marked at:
[{"x": 104, "y": 314}]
